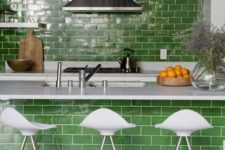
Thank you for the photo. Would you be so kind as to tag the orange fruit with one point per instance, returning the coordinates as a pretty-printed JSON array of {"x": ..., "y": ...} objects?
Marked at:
[
  {"x": 171, "y": 74},
  {"x": 186, "y": 76},
  {"x": 169, "y": 68},
  {"x": 178, "y": 72},
  {"x": 177, "y": 67},
  {"x": 163, "y": 74},
  {"x": 185, "y": 71}
]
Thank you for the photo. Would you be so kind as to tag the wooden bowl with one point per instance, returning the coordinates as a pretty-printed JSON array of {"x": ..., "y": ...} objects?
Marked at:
[
  {"x": 173, "y": 81},
  {"x": 20, "y": 64}
]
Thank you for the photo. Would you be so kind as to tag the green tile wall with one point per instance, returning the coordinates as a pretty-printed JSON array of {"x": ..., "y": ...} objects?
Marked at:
[
  {"x": 69, "y": 136},
  {"x": 101, "y": 36}
]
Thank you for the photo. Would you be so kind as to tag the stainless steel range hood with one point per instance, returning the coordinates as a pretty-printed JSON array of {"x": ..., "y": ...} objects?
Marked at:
[{"x": 102, "y": 6}]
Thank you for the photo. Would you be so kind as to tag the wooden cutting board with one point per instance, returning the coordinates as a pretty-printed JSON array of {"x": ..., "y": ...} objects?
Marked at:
[{"x": 31, "y": 48}]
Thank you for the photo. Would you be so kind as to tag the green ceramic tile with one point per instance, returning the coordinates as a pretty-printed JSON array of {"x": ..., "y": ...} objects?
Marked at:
[
  {"x": 88, "y": 131},
  {"x": 121, "y": 103},
  {"x": 181, "y": 103},
  {"x": 169, "y": 110},
  {"x": 52, "y": 146},
  {"x": 72, "y": 129},
  {"x": 22, "y": 102},
  {"x": 210, "y": 148},
  {"x": 201, "y": 103},
  {"x": 151, "y": 111},
  {"x": 211, "y": 111},
  {"x": 212, "y": 132},
  {"x": 161, "y": 103},
  {"x": 150, "y": 147},
  {"x": 141, "y": 139},
  {"x": 52, "y": 109},
  {"x": 218, "y": 121},
  {"x": 90, "y": 147},
  {"x": 161, "y": 140},
  {"x": 157, "y": 119},
  {"x": 123, "y": 139},
  {"x": 217, "y": 141},
  {"x": 132, "y": 131},
  {"x": 63, "y": 139},
  {"x": 62, "y": 119},
  {"x": 175, "y": 7},
  {"x": 141, "y": 102},
  {"x": 43, "y": 102},
  {"x": 129, "y": 111},
  {"x": 71, "y": 147},
  {"x": 150, "y": 130},
  {"x": 218, "y": 103},
  {"x": 141, "y": 120},
  {"x": 82, "y": 139},
  {"x": 77, "y": 119},
  {"x": 33, "y": 110}
]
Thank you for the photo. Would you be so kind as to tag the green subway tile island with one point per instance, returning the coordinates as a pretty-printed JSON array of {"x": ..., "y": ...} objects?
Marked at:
[{"x": 90, "y": 38}]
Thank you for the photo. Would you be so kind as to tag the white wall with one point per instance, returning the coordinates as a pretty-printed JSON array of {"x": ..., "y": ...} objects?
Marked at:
[{"x": 218, "y": 12}]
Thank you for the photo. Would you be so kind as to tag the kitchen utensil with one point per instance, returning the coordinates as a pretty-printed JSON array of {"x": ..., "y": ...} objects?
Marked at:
[
  {"x": 20, "y": 64},
  {"x": 126, "y": 63},
  {"x": 173, "y": 81},
  {"x": 31, "y": 48},
  {"x": 7, "y": 15}
]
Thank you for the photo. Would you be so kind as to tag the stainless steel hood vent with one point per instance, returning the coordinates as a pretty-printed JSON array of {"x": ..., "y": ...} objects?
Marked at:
[{"x": 102, "y": 6}]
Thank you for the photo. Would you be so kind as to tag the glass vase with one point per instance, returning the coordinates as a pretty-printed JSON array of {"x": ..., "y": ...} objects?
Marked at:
[{"x": 206, "y": 78}]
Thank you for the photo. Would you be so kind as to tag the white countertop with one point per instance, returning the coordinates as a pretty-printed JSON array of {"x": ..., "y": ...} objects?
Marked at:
[
  {"x": 152, "y": 91},
  {"x": 30, "y": 85}
]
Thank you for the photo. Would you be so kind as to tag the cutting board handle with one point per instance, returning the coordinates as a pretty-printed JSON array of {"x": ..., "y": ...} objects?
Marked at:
[{"x": 30, "y": 32}]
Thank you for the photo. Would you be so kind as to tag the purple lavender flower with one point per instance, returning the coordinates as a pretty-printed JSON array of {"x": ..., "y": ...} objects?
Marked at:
[{"x": 203, "y": 37}]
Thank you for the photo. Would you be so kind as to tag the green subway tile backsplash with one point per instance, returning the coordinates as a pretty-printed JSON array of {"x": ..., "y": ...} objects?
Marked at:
[
  {"x": 96, "y": 36},
  {"x": 67, "y": 115}
]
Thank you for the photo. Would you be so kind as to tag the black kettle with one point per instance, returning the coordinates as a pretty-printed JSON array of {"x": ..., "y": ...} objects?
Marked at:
[{"x": 126, "y": 63}]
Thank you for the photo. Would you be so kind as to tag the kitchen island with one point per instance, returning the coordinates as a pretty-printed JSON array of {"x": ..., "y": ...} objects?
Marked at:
[{"x": 145, "y": 106}]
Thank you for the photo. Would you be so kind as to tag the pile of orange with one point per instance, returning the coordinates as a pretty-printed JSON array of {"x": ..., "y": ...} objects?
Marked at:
[{"x": 175, "y": 72}]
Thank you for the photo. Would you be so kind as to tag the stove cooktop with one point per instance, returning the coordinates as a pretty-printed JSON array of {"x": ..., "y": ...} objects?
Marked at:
[{"x": 102, "y": 70}]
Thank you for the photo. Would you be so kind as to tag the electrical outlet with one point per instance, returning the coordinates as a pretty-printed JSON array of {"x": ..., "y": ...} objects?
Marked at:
[{"x": 163, "y": 54}]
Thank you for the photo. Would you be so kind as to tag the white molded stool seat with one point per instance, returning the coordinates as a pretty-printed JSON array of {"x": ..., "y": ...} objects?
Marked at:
[
  {"x": 107, "y": 122},
  {"x": 184, "y": 123},
  {"x": 12, "y": 118}
]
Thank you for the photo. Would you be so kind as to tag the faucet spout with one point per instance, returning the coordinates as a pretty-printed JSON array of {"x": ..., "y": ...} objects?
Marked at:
[
  {"x": 93, "y": 72},
  {"x": 83, "y": 78}
]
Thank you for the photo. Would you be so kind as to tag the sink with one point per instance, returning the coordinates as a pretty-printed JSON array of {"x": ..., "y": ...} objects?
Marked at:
[{"x": 99, "y": 84}]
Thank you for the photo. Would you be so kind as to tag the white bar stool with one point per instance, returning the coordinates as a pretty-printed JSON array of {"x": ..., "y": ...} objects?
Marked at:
[
  {"x": 107, "y": 122},
  {"x": 12, "y": 118},
  {"x": 184, "y": 123}
]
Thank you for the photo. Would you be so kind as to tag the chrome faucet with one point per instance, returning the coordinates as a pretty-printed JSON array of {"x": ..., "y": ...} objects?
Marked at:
[
  {"x": 83, "y": 78},
  {"x": 59, "y": 73}
]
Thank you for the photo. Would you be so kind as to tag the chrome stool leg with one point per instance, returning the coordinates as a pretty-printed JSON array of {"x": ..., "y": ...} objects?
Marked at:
[
  {"x": 188, "y": 143},
  {"x": 103, "y": 141},
  {"x": 111, "y": 139},
  {"x": 178, "y": 144},
  {"x": 24, "y": 142},
  {"x": 34, "y": 143}
]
